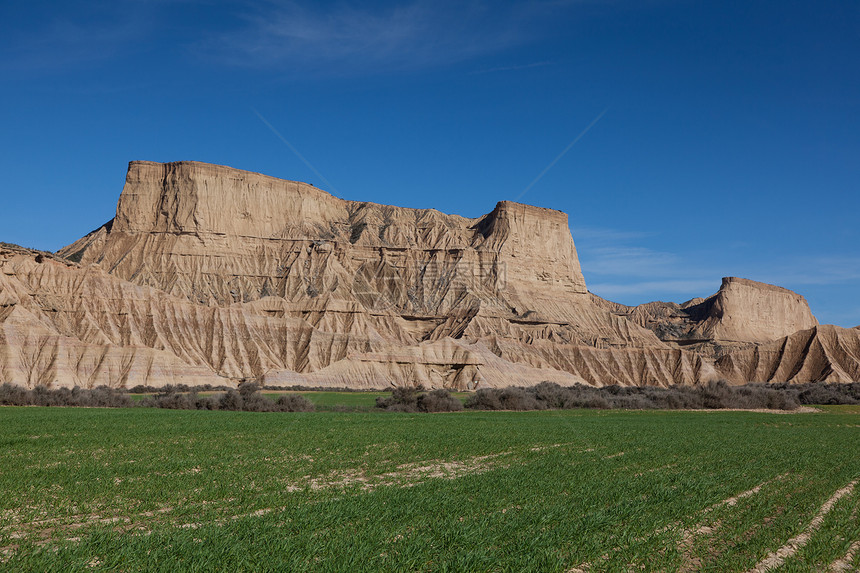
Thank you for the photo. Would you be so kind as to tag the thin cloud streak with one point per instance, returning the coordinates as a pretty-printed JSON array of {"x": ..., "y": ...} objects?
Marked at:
[
  {"x": 617, "y": 268},
  {"x": 613, "y": 268},
  {"x": 602, "y": 236},
  {"x": 791, "y": 272},
  {"x": 346, "y": 40},
  {"x": 700, "y": 288},
  {"x": 850, "y": 317},
  {"x": 822, "y": 270},
  {"x": 631, "y": 262}
]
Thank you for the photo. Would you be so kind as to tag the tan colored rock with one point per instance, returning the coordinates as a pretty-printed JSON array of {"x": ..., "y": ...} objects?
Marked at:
[
  {"x": 819, "y": 354},
  {"x": 64, "y": 324},
  {"x": 741, "y": 312},
  {"x": 217, "y": 235},
  {"x": 749, "y": 311},
  {"x": 209, "y": 274},
  {"x": 76, "y": 333},
  {"x": 366, "y": 275}
]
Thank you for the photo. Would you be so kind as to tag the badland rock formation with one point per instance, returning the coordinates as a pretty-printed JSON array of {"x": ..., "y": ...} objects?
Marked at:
[{"x": 209, "y": 274}]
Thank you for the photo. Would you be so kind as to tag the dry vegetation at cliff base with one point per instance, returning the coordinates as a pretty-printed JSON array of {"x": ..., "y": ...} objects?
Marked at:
[
  {"x": 560, "y": 490},
  {"x": 249, "y": 397}
]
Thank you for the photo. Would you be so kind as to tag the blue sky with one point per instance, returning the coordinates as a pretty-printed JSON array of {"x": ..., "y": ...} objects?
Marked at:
[{"x": 724, "y": 136}]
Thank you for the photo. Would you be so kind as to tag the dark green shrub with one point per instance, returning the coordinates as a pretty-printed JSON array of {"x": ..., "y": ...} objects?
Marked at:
[
  {"x": 402, "y": 399},
  {"x": 438, "y": 401},
  {"x": 294, "y": 403}
]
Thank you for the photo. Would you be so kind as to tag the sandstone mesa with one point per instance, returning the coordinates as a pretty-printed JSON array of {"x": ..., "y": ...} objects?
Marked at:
[{"x": 209, "y": 274}]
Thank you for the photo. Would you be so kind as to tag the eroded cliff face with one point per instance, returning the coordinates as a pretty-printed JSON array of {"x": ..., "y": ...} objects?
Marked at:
[
  {"x": 752, "y": 332},
  {"x": 410, "y": 295},
  {"x": 819, "y": 354},
  {"x": 741, "y": 312},
  {"x": 209, "y": 274},
  {"x": 216, "y": 235},
  {"x": 62, "y": 325},
  {"x": 749, "y": 311}
]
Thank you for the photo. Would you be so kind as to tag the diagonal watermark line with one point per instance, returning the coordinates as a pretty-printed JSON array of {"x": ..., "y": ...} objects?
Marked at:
[
  {"x": 295, "y": 151},
  {"x": 562, "y": 154}
]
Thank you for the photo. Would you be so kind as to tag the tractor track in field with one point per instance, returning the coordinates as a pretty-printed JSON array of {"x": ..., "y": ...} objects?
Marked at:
[
  {"x": 844, "y": 564},
  {"x": 793, "y": 545},
  {"x": 689, "y": 534}
]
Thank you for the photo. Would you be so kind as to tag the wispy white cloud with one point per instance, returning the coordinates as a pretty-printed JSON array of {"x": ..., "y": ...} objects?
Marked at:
[
  {"x": 602, "y": 236},
  {"x": 323, "y": 39},
  {"x": 812, "y": 270},
  {"x": 630, "y": 262},
  {"x": 847, "y": 318},
  {"x": 358, "y": 39},
  {"x": 619, "y": 265},
  {"x": 646, "y": 288}
]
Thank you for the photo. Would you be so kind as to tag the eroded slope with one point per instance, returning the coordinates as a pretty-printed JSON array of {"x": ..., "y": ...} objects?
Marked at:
[{"x": 209, "y": 274}]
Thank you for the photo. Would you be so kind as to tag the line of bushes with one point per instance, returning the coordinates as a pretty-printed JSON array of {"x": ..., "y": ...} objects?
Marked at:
[
  {"x": 246, "y": 399},
  {"x": 300, "y": 388},
  {"x": 415, "y": 399},
  {"x": 550, "y": 396},
  {"x": 101, "y": 397},
  {"x": 142, "y": 389},
  {"x": 715, "y": 395},
  {"x": 544, "y": 396},
  {"x": 832, "y": 394}
]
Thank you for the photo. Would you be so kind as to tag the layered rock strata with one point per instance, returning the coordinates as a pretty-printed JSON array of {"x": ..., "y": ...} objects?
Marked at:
[{"x": 209, "y": 274}]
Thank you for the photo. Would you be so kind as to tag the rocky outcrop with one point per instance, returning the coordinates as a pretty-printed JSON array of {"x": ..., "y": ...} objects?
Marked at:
[
  {"x": 209, "y": 274},
  {"x": 398, "y": 284},
  {"x": 218, "y": 236},
  {"x": 741, "y": 312},
  {"x": 753, "y": 332},
  {"x": 749, "y": 311},
  {"x": 65, "y": 326}
]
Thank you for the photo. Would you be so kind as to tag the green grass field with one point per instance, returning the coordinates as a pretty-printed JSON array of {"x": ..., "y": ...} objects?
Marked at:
[{"x": 149, "y": 489}]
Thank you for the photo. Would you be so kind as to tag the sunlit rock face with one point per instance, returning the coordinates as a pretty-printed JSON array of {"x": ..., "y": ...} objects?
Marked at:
[
  {"x": 209, "y": 274},
  {"x": 742, "y": 311}
]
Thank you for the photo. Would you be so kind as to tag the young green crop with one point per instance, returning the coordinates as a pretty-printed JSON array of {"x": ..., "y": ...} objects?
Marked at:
[{"x": 148, "y": 489}]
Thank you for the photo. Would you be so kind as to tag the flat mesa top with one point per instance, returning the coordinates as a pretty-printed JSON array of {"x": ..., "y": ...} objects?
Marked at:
[{"x": 213, "y": 169}]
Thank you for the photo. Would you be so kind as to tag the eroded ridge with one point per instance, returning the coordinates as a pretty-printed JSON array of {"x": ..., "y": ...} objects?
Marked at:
[{"x": 327, "y": 292}]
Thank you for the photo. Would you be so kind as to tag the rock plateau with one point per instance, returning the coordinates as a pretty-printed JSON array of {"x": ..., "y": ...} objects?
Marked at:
[{"x": 209, "y": 274}]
